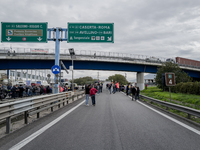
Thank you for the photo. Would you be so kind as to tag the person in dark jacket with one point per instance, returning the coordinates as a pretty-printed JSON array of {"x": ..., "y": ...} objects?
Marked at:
[
  {"x": 21, "y": 90},
  {"x": 48, "y": 89},
  {"x": 127, "y": 89},
  {"x": 87, "y": 94},
  {"x": 133, "y": 91},
  {"x": 137, "y": 93},
  {"x": 3, "y": 92},
  {"x": 109, "y": 87}
]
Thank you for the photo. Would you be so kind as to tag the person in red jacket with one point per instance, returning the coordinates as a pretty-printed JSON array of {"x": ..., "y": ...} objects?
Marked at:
[{"x": 92, "y": 94}]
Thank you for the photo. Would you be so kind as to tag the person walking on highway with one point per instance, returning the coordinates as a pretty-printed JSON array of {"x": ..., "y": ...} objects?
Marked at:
[
  {"x": 137, "y": 93},
  {"x": 127, "y": 89},
  {"x": 87, "y": 94},
  {"x": 133, "y": 91},
  {"x": 98, "y": 88},
  {"x": 109, "y": 87},
  {"x": 93, "y": 91}
]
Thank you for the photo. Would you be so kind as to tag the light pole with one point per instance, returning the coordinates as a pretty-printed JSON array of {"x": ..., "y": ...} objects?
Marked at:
[
  {"x": 72, "y": 53},
  {"x": 125, "y": 78}
]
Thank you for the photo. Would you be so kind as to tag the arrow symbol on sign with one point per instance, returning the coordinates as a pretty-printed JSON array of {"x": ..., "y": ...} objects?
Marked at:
[
  {"x": 109, "y": 39},
  {"x": 8, "y": 38},
  {"x": 39, "y": 39}
]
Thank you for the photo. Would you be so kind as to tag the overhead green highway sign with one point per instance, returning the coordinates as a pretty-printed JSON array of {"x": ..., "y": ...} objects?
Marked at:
[
  {"x": 91, "y": 32},
  {"x": 23, "y": 32}
]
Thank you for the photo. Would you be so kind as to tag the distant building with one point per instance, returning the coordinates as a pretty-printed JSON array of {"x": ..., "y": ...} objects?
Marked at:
[{"x": 150, "y": 78}]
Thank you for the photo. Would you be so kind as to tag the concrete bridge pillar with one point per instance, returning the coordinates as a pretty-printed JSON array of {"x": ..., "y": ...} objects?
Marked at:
[{"x": 140, "y": 80}]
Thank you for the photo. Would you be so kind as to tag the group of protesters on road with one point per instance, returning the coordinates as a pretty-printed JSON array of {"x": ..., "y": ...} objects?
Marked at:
[
  {"x": 134, "y": 90},
  {"x": 91, "y": 90},
  {"x": 129, "y": 89}
]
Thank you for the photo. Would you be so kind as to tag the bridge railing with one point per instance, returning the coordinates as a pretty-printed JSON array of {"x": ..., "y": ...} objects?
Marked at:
[
  {"x": 35, "y": 105},
  {"x": 89, "y": 53},
  {"x": 79, "y": 52},
  {"x": 189, "y": 111}
]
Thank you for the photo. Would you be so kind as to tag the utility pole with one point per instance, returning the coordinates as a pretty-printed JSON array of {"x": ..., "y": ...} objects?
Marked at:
[
  {"x": 125, "y": 78},
  {"x": 98, "y": 76}
]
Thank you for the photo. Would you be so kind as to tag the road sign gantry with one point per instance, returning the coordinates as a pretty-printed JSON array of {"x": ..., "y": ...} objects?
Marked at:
[{"x": 37, "y": 32}]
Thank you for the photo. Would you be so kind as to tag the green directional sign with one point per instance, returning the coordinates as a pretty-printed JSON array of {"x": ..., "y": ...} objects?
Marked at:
[
  {"x": 23, "y": 32},
  {"x": 91, "y": 32}
]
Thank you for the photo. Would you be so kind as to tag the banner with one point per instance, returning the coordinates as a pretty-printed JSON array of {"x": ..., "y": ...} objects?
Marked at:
[{"x": 39, "y": 51}]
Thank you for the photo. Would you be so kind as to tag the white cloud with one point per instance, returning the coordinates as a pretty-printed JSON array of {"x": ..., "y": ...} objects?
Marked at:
[{"x": 146, "y": 27}]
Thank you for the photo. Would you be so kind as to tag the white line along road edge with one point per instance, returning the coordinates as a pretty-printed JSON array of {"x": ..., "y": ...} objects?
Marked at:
[
  {"x": 172, "y": 119},
  {"x": 37, "y": 133}
]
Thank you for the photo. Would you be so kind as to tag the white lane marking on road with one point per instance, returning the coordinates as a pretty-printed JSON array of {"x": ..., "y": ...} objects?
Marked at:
[
  {"x": 37, "y": 133},
  {"x": 172, "y": 119}
]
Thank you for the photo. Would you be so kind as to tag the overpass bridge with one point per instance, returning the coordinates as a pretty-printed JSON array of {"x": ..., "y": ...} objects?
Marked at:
[{"x": 88, "y": 60}]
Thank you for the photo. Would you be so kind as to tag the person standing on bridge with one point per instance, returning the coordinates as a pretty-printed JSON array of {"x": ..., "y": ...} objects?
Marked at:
[
  {"x": 93, "y": 91},
  {"x": 87, "y": 94}
]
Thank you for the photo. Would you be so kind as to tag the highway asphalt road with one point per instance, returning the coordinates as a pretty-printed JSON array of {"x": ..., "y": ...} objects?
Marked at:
[{"x": 115, "y": 123}]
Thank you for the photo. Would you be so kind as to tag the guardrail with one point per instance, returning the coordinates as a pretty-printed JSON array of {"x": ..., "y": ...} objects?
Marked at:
[
  {"x": 77, "y": 52},
  {"x": 35, "y": 105},
  {"x": 87, "y": 53},
  {"x": 189, "y": 111}
]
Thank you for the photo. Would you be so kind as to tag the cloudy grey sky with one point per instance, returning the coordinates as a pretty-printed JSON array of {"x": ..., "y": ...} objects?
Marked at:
[{"x": 147, "y": 27}]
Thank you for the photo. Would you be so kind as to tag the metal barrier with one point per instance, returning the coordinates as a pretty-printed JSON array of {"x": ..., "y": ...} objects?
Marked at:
[
  {"x": 87, "y": 53},
  {"x": 35, "y": 105},
  {"x": 189, "y": 111}
]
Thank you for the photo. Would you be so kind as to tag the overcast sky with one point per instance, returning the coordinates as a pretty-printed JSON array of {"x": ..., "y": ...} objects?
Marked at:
[{"x": 147, "y": 27}]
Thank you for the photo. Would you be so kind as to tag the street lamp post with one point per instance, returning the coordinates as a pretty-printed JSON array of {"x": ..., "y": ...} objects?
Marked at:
[{"x": 72, "y": 53}]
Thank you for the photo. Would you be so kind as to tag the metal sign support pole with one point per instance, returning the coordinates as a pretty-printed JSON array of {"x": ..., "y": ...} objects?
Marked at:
[
  {"x": 57, "y": 40},
  {"x": 170, "y": 94},
  {"x": 57, "y": 56},
  {"x": 72, "y": 74}
]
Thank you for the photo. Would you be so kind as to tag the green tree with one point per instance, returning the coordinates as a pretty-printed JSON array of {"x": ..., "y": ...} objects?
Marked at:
[
  {"x": 84, "y": 80},
  {"x": 117, "y": 77},
  {"x": 180, "y": 75}
]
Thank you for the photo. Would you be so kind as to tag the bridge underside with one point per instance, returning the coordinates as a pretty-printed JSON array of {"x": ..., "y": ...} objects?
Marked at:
[{"x": 84, "y": 65}]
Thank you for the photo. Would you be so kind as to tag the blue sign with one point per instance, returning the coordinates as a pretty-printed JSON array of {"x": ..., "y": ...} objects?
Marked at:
[
  {"x": 28, "y": 82},
  {"x": 38, "y": 82},
  {"x": 55, "y": 69}
]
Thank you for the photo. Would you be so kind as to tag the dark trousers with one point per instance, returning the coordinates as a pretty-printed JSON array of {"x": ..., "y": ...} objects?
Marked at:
[
  {"x": 93, "y": 99},
  {"x": 133, "y": 96}
]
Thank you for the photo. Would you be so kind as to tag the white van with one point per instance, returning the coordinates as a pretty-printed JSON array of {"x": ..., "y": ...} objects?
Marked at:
[{"x": 153, "y": 59}]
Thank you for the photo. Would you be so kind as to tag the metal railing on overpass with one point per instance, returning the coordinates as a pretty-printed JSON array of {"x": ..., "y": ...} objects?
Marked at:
[
  {"x": 87, "y": 53},
  {"x": 35, "y": 105}
]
